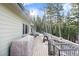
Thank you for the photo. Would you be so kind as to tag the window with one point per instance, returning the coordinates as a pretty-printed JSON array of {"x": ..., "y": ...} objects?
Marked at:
[{"x": 24, "y": 29}]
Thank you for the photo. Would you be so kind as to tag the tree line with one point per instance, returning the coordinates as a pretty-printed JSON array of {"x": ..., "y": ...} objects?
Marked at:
[{"x": 56, "y": 23}]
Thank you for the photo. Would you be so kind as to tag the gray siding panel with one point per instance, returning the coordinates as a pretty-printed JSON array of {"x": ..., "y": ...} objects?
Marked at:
[{"x": 10, "y": 29}]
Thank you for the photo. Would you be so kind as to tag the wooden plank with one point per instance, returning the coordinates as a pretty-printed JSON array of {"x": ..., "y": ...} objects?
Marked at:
[{"x": 40, "y": 48}]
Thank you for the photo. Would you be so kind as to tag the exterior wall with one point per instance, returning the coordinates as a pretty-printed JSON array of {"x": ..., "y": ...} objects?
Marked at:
[{"x": 11, "y": 28}]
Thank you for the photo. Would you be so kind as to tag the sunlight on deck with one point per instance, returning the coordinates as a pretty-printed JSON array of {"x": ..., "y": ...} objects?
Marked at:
[{"x": 40, "y": 48}]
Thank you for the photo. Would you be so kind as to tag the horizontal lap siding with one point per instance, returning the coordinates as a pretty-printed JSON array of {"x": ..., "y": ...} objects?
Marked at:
[{"x": 10, "y": 29}]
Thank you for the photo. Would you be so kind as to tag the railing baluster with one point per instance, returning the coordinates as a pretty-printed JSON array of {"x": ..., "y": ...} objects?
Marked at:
[{"x": 53, "y": 50}]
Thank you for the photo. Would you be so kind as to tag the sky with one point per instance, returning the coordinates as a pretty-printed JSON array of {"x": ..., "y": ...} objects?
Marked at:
[
  {"x": 37, "y": 7},
  {"x": 67, "y": 7}
]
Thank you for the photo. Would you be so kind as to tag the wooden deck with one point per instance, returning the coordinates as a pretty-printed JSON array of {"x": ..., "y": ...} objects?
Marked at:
[{"x": 40, "y": 48}]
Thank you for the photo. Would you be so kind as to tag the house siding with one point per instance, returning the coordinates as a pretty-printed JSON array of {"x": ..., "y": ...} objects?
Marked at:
[{"x": 11, "y": 26}]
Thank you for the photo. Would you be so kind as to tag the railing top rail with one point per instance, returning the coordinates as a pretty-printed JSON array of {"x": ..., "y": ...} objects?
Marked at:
[
  {"x": 61, "y": 44},
  {"x": 57, "y": 47},
  {"x": 69, "y": 49}
]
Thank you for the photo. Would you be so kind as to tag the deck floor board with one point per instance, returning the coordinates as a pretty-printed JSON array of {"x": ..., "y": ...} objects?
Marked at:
[{"x": 40, "y": 48}]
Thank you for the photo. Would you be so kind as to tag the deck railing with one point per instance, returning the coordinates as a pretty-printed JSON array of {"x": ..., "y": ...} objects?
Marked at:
[
  {"x": 62, "y": 47},
  {"x": 65, "y": 50}
]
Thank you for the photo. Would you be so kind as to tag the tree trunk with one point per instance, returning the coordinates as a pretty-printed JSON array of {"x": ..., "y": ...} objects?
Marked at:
[
  {"x": 68, "y": 37},
  {"x": 59, "y": 30}
]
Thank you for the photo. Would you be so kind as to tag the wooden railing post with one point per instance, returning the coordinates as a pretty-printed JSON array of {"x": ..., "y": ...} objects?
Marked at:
[
  {"x": 59, "y": 52},
  {"x": 49, "y": 47},
  {"x": 54, "y": 50}
]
